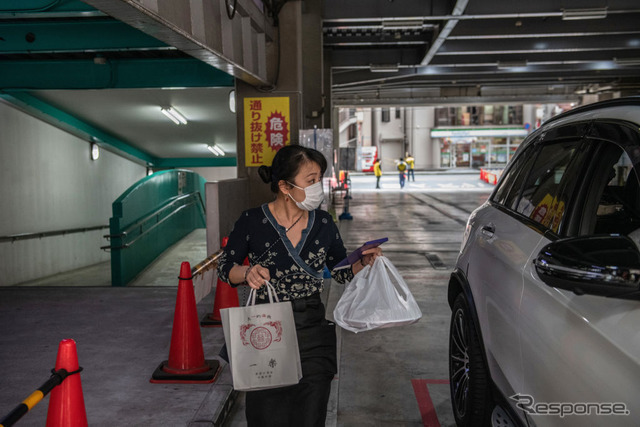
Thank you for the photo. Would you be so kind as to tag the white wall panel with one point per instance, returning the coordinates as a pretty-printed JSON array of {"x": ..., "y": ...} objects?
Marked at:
[
  {"x": 218, "y": 173},
  {"x": 48, "y": 182}
]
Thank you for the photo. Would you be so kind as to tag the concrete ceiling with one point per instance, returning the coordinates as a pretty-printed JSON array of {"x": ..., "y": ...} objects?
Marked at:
[
  {"x": 134, "y": 115},
  {"x": 102, "y": 79},
  {"x": 435, "y": 51},
  {"x": 66, "y": 61}
]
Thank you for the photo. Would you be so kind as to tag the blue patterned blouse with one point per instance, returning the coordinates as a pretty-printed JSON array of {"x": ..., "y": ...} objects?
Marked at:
[{"x": 296, "y": 272}]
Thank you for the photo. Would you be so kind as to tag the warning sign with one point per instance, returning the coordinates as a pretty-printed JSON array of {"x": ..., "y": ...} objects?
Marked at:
[{"x": 267, "y": 129}]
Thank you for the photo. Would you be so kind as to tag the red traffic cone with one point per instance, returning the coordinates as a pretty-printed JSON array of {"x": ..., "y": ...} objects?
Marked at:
[
  {"x": 225, "y": 297},
  {"x": 186, "y": 362},
  {"x": 66, "y": 405}
]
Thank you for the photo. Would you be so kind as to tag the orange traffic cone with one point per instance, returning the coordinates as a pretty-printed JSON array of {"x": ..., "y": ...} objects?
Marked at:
[
  {"x": 225, "y": 297},
  {"x": 186, "y": 362},
  {"x": 66, "y": 405}
]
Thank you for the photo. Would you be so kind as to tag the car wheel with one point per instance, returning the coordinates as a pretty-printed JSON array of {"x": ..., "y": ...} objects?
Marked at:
[{"x": 468, "y": 376}]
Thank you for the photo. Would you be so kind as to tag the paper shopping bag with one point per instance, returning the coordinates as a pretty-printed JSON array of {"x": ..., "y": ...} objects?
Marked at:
[{"x": 262, "y": 344}]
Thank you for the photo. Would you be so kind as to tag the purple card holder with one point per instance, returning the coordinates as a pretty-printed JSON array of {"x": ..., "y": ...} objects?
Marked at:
[{"x": 357, "y": 254}]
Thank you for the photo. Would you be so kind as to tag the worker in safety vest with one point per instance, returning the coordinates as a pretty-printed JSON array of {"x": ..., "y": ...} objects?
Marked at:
[
  {"x": 402, "y": 168},
  {"x": 377, "y": 170},
  {"x": 412, "y": 163}
]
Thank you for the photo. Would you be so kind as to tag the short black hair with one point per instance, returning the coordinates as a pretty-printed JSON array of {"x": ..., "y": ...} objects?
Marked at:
[{"x": 287, "y": 163}]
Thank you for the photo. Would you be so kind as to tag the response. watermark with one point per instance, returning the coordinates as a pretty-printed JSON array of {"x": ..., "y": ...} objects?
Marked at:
[{"x": 563, "y": 409}]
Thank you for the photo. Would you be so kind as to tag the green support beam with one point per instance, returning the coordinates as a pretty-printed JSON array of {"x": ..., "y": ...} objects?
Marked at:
[
  {"x": 115, "y": 74},
  {"x": 66, "y": 121},
  {"x": 195, "y": 162},
  {"x": 18, "y": 7},
  {"x": 77, "y": 127},
  {"x": 86, "y": 35}
]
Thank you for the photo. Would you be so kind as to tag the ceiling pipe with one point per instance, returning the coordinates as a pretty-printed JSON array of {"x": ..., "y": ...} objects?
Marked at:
[
  {"x": 378, "y": 27},
  {"x": 618, "y": 61},
  {"x": 469, "y": 17},
  {"x": 458, "y": 10},
  {"x": 544, "y": 35}
]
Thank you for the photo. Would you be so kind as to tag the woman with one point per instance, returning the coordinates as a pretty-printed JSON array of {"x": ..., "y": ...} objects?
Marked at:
[{"x": 288, "y": 242}]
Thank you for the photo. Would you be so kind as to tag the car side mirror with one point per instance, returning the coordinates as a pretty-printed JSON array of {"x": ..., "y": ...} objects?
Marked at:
[{"x": 594, "y": 265}]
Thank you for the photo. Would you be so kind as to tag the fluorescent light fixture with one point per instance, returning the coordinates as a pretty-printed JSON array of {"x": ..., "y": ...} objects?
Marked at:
[
  {"x": 216, "y": 150},
  {"x": 577, "y": 14},
  {"x": 232, "y": 101},
  {"x": 174, "y": 115},
  {"x": 511, "y": 64},
  {"x": 402, "y": 23},
  {"x": 627, "y": 61},
  {"x": 384, "y": 68}
]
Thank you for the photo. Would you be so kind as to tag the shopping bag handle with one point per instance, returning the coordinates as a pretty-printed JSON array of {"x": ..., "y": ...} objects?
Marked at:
[
  {"x": 271, "y": 292},
  {"x": 400, "y": 288}
]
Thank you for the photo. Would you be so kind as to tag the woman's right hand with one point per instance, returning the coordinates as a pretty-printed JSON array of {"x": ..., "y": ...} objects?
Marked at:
[{"x": 256, "y": 276}]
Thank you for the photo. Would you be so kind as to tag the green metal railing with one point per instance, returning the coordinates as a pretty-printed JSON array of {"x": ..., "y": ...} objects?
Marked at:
[{"x": 151, "y": 216}]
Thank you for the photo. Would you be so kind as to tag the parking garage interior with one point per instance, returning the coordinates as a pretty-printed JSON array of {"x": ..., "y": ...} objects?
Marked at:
[{"x": 127, "y": 148}]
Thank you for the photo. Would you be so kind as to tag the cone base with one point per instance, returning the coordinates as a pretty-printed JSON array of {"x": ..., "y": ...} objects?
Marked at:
[
  {"x": 160, "y": 376},
  {"x": 209, "y": 321}
]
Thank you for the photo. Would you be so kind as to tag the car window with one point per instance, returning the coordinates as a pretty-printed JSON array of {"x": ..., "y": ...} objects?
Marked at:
[
  {"x": 618, "y": 207},
  {"x": 510, "y": 186},
  {"x": 549, "y": 186}
]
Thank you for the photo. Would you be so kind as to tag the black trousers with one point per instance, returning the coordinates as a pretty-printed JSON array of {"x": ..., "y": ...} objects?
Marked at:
[{"x": 304, "y": 404}]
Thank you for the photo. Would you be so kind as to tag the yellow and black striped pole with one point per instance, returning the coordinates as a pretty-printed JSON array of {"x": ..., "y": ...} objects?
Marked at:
[{"x": 27, "y": 404}]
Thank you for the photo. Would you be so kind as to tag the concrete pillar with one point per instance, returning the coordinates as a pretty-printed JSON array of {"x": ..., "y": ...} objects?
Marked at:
[
  {"x": 327, "y": 113},
  {"x": 312, "y": 64},
  {"x": 529, "y": 115},
  {"x": 367, "y": 127},
  {"x": 426, "y": 156},
  {"x": 407, "y": 125},
  {"x": 375, "y": 121},
  {"x": 296, "y": 77},
  {"x": 374, "y": 128}
]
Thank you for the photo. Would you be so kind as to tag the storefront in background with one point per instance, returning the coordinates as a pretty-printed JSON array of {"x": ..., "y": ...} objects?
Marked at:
[{"x": 478, "y": 147}]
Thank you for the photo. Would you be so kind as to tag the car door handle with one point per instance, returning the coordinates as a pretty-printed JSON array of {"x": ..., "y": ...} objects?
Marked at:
[{"x": 488, "y": 230}]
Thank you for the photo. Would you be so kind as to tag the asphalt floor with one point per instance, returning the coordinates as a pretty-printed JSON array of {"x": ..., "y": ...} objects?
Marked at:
[{"x": 396, "y": 376}]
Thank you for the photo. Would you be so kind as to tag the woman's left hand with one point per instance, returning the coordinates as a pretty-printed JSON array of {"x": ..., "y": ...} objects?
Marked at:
[{"x": 370, "y": 255}]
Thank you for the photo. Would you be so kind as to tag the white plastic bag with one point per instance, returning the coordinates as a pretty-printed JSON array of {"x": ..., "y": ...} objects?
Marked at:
[{"x": 377, "y": 297}]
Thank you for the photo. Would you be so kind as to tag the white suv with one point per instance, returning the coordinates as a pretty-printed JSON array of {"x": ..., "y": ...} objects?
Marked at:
[{"x": 545, "y": 296}]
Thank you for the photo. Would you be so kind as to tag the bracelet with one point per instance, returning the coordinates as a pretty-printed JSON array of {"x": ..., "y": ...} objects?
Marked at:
[{"x": 246, "y": 273}]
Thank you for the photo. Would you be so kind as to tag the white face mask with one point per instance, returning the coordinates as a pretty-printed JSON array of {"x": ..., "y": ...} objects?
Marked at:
[{"x": 314, "y": 195}]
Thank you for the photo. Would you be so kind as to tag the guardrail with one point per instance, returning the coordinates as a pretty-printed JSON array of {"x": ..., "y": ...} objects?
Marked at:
[
  {"x": 38, "y": 235},
  {"x": 206, "y": 264}
]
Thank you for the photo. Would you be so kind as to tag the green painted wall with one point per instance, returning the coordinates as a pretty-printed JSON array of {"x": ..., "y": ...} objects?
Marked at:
[{"x": 151, "y": 216}]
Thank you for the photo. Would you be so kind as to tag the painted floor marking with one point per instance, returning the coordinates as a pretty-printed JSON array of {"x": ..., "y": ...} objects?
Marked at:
[{"x": 427, "y": 410}]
